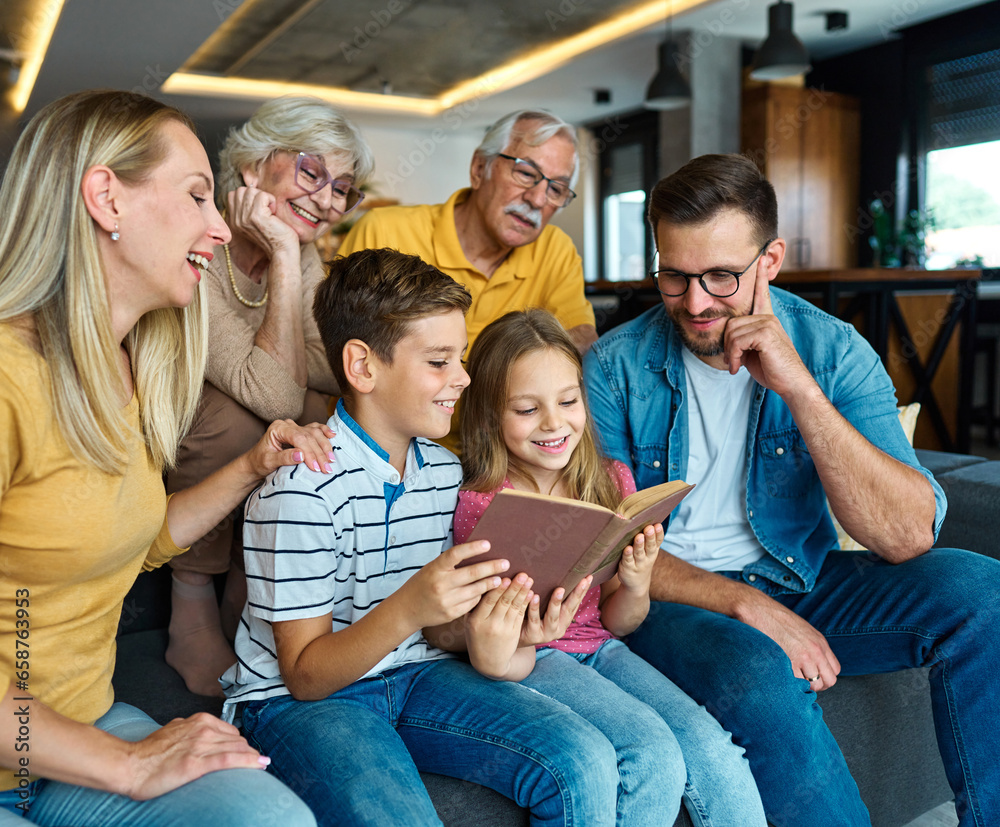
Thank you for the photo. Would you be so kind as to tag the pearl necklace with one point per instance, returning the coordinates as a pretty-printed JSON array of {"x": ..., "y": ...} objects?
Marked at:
[{"x": 236, "y": 290}]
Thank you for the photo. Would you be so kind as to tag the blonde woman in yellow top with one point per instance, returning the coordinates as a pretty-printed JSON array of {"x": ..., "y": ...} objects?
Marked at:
[{"x": 108, "y": 221}]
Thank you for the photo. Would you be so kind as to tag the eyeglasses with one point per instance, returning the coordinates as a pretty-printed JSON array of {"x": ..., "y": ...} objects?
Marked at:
[
  {"x": 719, "y": 283},
  {"x": 527, "y": 175},
  {"x": 312, "y": 176}
]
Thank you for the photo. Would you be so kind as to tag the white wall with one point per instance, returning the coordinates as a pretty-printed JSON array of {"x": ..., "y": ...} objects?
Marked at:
[{"x": 420, "y": 166}]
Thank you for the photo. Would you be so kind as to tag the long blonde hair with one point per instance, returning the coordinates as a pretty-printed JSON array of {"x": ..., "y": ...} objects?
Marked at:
[
  {"x": 52, "y": 278},
  {"x": 485, "y": 458}
]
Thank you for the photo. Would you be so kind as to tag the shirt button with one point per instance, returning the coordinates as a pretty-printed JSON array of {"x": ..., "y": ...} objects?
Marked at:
[
  {"x": 752, "y": 578},
  {"x": 786, "y": 577},
  {"x": 789, "y": 559},
  {"x": 780, "y": 451},
  {"x": 656, "y": 463},
  {"x": 751, "y": 515},
  {"x": 392, "y": 540},
  {"x": 394, "y": 479}
]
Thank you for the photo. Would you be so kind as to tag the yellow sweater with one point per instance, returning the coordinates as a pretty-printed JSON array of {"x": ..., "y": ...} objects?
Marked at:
[{"x": 72, "y": 541}]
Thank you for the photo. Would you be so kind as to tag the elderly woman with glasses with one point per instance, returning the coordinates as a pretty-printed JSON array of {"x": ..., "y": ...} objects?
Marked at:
[{"x": 286, "y": 176}]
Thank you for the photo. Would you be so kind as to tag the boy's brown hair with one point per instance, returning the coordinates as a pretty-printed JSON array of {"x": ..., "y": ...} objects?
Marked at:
[{"x": 373, "y": 295}]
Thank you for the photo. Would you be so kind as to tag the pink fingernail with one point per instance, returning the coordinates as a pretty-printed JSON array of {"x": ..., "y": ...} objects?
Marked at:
[
  {"x": 330, "y": 456},
  {"x": 297, "y": 456},
  {"x": 328, "y": 468},
  {"x": 315, "y": 466},
  {"x": 263, "y": 760}
]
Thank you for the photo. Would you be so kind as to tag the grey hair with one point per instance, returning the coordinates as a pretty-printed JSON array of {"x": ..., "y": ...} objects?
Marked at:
[
  {"x": 299, "y": 124},
  {"x": 544, "y": 125}
]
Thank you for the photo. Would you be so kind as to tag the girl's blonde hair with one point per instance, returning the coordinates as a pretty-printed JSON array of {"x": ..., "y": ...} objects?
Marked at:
[
  {"x": 52, "y": 278},
  {"x": 485, "y": 458}
]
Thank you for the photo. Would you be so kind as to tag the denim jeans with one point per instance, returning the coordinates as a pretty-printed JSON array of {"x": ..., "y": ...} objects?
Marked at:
[
  {"x": 355, "y": 756},
  {"x": 938, "y": 610},
  {"x": 667, "y": 745},
  {"x": 228, "y": 798}
]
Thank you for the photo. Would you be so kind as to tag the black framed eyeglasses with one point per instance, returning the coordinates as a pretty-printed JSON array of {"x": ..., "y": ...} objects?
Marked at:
[
  {"x": 311, "y": 175},
  {"x": 718, "y": 283},
  {"x": 526, "y": 174}
]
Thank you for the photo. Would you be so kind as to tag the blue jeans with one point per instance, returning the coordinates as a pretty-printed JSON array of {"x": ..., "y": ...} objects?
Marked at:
[
  {"x": 938, "y": 610},
  {"x": 355, "y": 756},
  {"x": 667, "y": 745},
  {"x": 228, "y": 798}
]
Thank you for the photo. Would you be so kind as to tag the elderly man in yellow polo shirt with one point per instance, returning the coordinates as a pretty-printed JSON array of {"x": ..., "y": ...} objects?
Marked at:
[{"x": 494, "y": 236}]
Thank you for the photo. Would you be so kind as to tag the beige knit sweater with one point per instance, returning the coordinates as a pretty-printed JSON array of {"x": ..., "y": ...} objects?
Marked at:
[{"x": 240, "y": 369}]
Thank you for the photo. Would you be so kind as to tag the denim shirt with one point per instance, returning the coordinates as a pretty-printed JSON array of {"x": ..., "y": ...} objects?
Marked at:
[{"x": 634, "y": 376}]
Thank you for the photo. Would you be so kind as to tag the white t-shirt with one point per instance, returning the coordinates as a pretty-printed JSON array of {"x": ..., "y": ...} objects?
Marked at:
[{"x": 710, "y": 527}]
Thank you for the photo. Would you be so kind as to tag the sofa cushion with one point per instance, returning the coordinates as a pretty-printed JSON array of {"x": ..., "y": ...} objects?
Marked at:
[{"x": 874, "y": 717}]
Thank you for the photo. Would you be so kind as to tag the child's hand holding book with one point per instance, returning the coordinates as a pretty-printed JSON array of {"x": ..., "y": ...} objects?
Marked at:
[
  {"x": 559, "y": 614},
  {"x": 493, "y": 630},
  {"x": 444, "y": 589},
  {"x": 636, "y": 565}
]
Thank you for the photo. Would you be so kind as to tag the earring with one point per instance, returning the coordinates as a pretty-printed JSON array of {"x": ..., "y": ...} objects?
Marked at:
[{"x": 115, "y": 235}]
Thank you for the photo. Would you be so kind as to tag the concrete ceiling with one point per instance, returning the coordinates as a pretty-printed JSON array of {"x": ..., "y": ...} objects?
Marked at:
[{"x": 417, "y": 47}]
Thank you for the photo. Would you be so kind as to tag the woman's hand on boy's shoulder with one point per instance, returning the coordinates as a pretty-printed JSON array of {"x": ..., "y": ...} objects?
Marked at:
[{"x": 287, "y": 443}]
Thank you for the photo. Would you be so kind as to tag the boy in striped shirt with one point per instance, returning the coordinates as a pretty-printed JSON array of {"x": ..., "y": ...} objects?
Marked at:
[{"x": 336, "y": 681}]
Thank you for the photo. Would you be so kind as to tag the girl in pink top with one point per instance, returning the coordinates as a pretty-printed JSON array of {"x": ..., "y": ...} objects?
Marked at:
[{"x": 525, "y": 425}]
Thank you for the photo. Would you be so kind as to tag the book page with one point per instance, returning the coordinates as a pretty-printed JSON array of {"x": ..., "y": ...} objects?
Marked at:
[{"x": 635, "y": 503}]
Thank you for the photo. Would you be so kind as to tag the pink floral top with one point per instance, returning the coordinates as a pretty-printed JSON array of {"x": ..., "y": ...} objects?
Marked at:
[{"x": 586, "y": 633}]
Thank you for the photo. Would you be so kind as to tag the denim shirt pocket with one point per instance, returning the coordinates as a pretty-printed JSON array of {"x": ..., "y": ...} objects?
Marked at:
[
  {"x": 651, "y": 464},
  {"x": 788, "y": 468}
]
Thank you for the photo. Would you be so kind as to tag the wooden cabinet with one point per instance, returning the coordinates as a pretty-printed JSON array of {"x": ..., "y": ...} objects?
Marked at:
[{"x": 807, "y": 143}]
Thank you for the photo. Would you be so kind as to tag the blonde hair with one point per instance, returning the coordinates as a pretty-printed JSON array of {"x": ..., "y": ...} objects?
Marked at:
[
  {"x": 294, "y": 124},
  {"x": 486, "y": 462},
  {"x": 52, "y": 277}
]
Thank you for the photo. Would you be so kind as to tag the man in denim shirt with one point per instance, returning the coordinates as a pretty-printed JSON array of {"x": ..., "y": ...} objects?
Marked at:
[{"x": 773, "y": 407}]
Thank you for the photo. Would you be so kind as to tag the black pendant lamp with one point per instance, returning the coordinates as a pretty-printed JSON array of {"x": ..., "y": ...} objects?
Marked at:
[
  {"x": 782, "y": 54},
  {"x": 668, "y": 89}
]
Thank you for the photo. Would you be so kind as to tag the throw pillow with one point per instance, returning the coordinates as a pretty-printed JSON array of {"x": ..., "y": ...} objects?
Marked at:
[{"x": 908, "y": 419}]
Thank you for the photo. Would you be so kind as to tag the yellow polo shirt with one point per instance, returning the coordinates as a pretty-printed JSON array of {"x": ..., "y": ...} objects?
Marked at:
[{"x": 547, "y": 273}]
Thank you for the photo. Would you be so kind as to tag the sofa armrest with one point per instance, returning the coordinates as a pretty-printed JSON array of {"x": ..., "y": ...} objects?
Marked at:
[{"x": 972, "y": 485}]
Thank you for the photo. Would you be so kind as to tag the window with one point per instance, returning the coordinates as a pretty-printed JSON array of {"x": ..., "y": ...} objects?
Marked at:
[
  {"x": 963, "y": 196},
  {"x": 628, "y": 172},
  {"x": 962, "y": 163}
]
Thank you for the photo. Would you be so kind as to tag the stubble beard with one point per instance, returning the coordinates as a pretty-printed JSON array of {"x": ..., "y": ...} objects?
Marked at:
[{"x": 708, "y": 345}]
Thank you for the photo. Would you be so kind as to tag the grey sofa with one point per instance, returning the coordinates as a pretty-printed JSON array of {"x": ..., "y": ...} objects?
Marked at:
[{"x": 882, "y": 722}]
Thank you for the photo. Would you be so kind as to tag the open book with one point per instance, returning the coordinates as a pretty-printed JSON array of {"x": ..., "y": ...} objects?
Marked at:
[{"x": 559, "y": 541}]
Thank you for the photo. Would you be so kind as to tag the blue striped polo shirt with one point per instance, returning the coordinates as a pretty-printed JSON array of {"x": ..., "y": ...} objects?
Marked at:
[{"x": 341, "y": 543}]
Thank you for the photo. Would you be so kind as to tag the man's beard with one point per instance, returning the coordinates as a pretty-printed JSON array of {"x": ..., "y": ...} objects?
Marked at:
[{"x": 707, "y": 345}]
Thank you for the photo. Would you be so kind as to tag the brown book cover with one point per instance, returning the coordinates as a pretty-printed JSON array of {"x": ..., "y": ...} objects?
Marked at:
[{"x": 559, "y": 541}]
